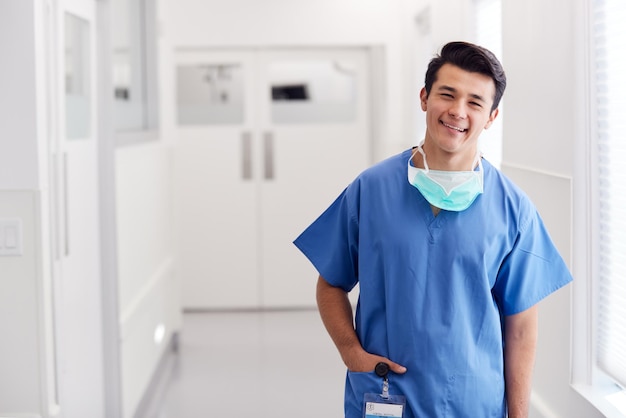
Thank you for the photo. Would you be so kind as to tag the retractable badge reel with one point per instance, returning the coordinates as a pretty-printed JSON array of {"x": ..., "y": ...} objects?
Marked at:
[{"x": 383, "y": 404}]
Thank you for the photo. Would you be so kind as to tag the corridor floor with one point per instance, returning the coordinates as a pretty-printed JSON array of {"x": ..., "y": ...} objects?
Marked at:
[{"x": 256, "y": 365}]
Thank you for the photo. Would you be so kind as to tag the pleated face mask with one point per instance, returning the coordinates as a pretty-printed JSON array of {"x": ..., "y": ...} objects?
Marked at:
[{"x": 449, "y": 190}]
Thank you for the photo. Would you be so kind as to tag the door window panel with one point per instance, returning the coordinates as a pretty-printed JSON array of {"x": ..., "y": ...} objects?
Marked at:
[
  {"x": 129, "y": 69},
  {"x": 312, "y": 92},
  {"x": 77, "y": 80},
  {"x": 211, "y": 94}
]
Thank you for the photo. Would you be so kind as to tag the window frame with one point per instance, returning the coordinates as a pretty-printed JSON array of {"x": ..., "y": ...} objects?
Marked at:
[{"x": 586, "y": 379}]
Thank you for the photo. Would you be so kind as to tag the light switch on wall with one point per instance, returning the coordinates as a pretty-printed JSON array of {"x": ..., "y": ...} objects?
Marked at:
[{"x": 10, "y": 237}]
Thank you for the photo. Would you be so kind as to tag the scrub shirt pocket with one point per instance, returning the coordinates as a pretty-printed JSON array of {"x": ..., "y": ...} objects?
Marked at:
[{"x": 358, "y": 384}]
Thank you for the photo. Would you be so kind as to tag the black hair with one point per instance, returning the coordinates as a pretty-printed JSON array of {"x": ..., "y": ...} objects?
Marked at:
[{"x": 472, "y": 58}]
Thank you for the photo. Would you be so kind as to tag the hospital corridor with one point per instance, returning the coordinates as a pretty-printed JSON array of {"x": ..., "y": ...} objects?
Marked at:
[
  {"x": 252, "y": 364},
  {"x": 161, "y": 160}
]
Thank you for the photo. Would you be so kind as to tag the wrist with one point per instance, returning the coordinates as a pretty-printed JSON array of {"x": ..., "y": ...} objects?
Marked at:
[{"x": 352, "y": 357}]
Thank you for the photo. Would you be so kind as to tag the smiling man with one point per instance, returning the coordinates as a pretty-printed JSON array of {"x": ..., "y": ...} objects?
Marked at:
[{"x": 451, "y": 259}]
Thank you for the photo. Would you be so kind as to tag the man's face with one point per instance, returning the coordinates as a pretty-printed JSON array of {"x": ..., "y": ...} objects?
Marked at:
[{"x": 457, "y": 109}]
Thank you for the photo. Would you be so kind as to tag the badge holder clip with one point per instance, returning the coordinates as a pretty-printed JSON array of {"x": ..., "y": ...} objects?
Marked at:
[
  {"x": 383, "y": 404},
  {"x": 382, "y": 370}
]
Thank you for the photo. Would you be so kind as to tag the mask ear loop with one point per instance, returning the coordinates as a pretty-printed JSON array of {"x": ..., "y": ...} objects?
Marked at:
[
  {"x": 421, "y": 151},
  {"x": 478, "y": 161}
]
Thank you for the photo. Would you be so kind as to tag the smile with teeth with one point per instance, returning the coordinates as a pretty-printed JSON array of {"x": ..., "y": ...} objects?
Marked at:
[{"x": 456, "y": 128}]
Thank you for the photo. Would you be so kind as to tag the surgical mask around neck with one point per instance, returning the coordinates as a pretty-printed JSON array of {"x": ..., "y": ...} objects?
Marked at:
[{"x": 449, "y": 190}]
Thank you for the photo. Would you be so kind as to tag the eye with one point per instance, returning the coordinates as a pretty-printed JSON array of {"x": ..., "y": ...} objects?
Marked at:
[
  {"x": 447, "y": 95},
  {"x": 476, "y": 104}
]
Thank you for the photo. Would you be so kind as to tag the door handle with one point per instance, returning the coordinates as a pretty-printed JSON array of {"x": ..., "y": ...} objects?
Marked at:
[
  {"x": 66, "y": 201},
  {"x": 246, "y": 154},
  {"x": 268, "y": 156},
  {"x": 56, "y": 204}
]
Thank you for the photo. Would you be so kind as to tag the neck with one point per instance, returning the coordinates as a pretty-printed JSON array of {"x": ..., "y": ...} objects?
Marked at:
[{"x": 438, "y": 159}]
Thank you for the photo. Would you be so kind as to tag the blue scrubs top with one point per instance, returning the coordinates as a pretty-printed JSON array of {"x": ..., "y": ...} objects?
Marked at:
[{"x": 433, "y": 290}]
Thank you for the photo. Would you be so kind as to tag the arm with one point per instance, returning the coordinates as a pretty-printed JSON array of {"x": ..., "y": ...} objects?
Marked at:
[
  {"x": 336, "y": 312},
  {"x": 520, "y": 339}
]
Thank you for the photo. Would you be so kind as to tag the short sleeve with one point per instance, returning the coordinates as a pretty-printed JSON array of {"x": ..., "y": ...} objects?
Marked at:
[
  {"x": 531, "y": 271},
  {"x": 331, "y": 242}
]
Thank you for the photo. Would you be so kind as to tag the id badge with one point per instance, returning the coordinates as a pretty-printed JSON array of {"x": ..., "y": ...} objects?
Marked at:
[
  {"x": 383, "y": 404},
  {"x": 375, "y": 405}
]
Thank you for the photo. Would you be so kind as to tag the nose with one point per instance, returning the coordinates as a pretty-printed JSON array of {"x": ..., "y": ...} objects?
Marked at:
[{"x": 457, "y": 110}]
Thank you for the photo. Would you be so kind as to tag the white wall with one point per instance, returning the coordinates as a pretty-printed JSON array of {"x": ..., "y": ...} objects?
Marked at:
[
  {"x": 541, "y": 60},
  {"x": 21, "y": 321},
  {"x": 148, "y": 287},
  {"x": 18, "y": 134},
  {"x": 148, "y": 290}
]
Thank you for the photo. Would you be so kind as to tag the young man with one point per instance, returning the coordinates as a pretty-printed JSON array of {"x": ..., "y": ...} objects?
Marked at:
[{"x": 451, "y": 259}]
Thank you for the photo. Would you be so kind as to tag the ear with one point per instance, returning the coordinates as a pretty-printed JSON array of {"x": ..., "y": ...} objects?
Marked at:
[
  {"x": 423, "y": 98},
  {"x": 492, "y": 117}
]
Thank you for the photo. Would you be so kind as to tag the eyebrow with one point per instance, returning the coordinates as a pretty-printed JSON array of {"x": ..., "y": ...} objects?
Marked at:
[{"x": 453, "y": 90}]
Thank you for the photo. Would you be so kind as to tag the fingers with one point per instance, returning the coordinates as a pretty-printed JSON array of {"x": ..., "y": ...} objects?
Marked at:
[
  {"x": 366, "y": 362},
  {"x": 395, "y": 367}
]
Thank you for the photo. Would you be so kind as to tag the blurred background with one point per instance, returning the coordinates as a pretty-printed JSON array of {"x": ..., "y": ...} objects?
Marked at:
[{"x": 158, "y": 158}]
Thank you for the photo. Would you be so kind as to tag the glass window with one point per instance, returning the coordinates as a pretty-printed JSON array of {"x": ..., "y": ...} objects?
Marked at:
[
  {"x": 610, "y": 244},
  {"x": 77, "y": 78},
  {"x": 133, "y": 72},
  {"x": 210, "y": 94},
  {"x": 312, "y": 92}
]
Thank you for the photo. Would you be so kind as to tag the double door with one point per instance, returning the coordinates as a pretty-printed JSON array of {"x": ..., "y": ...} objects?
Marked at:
[{"x": 266, "y": 140}]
